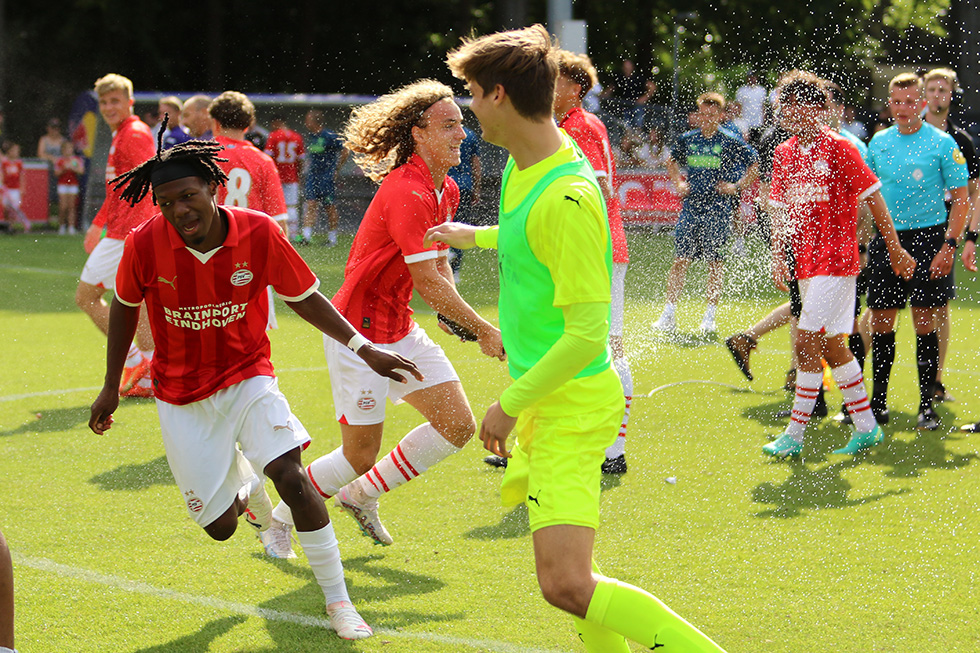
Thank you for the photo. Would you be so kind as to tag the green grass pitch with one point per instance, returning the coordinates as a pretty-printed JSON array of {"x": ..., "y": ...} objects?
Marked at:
[{"x": 878, "y": 553}]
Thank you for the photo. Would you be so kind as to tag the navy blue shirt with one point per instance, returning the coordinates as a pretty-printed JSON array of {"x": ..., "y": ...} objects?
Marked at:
[
  {"x": 463, "y": 173},
  {"x": 723, "y": 157},
  {"x": 175, "y": 136},
  {"x": 322, "y": 152}
]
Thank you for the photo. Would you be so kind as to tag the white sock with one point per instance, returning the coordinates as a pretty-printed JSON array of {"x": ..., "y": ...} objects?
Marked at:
[
  {"x": 321, "y": 550},
  {"x": 331, "y": 472},
  {"x": 307, "y": 232},
  {"x": 332, "y": 235},
  {"x": 807, "y": 389},
  {"x": 850, "y": 382},
  {"x": 617, "y": 448},
  {"x": 709, "y": 313},
  {"x": 134, "y": 356},
  {"x": 419, "y": 450},
  {"x": 328, "y": 474},
  {"x": 669, "y": 309},
  {"x": 148, "y": 355}
]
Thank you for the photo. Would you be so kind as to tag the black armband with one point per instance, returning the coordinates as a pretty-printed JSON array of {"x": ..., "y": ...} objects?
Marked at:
[
  {"x": 862, "y": 249},
  {"x": 971, "y": 236}
]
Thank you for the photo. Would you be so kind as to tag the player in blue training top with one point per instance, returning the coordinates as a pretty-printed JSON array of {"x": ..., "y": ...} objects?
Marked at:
[
  {"x": 917, "y": 165},
  {"x": 325, "y": 156},
  {"x": 716, "y": 160}
]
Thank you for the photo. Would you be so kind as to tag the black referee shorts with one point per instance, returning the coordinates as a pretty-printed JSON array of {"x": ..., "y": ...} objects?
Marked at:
[{"x": 887, "y": 291}]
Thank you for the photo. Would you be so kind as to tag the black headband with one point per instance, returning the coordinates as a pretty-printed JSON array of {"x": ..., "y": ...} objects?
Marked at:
[{"x": 165, "y": 171}]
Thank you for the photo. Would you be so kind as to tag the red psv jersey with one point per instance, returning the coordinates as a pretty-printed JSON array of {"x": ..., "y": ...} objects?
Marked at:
[
  {"x": 253, "y": 181},
  {"x": 12, "y": 169},
  {"x": 208, "y": 312},
  {"x": 132, "y": 144},
  {"x": 286, "y": 148},
  {"x": 377, "y": 284},
  {"x": 820, "y": 187},
  {"x": 67, "y": 169},
  {"x": 590, "y": 134}
]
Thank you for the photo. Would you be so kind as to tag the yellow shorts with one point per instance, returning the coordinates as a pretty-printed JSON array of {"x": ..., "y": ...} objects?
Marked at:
[{"x": 556, "y": 465}]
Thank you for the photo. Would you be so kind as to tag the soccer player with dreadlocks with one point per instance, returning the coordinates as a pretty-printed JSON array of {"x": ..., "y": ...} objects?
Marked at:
[{"x": 202, "y": 270}]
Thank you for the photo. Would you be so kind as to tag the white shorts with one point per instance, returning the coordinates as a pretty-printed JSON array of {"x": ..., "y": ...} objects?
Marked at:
[
  {"x": 618, "y": 299},
  {"x": 200, "y": 442},
  {"x": 68, "y": 189},
  {"x": 359, "y": 392},
  {"x": 11, "y": 198},
  {"x": 102, "y": 263},
  {"x": 291, "y": 193},
  {"x": 828, "y": 304}
]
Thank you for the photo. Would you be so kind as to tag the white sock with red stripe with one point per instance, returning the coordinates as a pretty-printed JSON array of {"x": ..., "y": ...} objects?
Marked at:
[
  {"x": 807, "y": 388},
  {"x": 622, "y": 367},
  {"x": 850, "y": 382},
  {"x": 328, "y": 473},
  {"x": 134, "y": 356},
  {"x": 419, "y": 450}
]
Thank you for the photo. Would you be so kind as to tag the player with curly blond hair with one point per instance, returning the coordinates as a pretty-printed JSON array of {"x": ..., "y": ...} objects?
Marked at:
[{"x": 408, "y": 141}]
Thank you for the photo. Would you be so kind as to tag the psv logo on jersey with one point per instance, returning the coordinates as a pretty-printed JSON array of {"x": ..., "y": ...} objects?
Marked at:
[{"x": 242, "y": 275}]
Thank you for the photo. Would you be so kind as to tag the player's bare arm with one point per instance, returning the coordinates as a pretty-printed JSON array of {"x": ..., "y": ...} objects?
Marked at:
[
  {"x": 432, "y": 279},
  {"x": 780, "y": 240},
  {"x": 495, "y": 428},
  {"x": 675, "y": 177},
  {"x": 122, "y": 328},
  {"x": 454, "y": 234},
  {"x": 729, "y": 188},
  {"x": 942, "y": 264},
  {"x": 969, "y": 255},
  {"x": 318, "y": 311},
  {"x": 901, "y": 261}
]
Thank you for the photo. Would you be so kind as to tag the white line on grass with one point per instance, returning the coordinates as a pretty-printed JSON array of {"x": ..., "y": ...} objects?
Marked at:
[
  {"x": 21, "y": 268},
  {"x": 138, "y": 587},
  {"x": 49, "y": 393}
]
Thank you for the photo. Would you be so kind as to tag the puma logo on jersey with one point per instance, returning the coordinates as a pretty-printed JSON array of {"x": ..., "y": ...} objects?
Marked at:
[
  {"x": 287, "y": 427},
  {"x": 534, "y": 499},
  {"x": 572, "y": 199},
  {"x": 170, "y": 283}
]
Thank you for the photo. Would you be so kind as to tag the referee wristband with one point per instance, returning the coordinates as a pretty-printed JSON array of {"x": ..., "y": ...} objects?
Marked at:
[
  {"x": 951, "y": 242},
  {"x": 971, "y": 236},
  {"x": 356, "y": 342}
]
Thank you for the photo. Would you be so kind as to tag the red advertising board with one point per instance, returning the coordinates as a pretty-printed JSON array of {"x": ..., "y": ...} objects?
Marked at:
[{"x": 647, "y": 197}]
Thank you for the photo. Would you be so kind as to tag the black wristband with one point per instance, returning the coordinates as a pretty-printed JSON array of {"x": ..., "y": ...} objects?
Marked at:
[
  {"x": 951, "y": 242},
  {"x": 971, "y": 236}
]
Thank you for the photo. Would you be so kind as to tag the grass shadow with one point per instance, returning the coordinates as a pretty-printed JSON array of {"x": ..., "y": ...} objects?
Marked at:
[
  {"x": 812, "y": 488},
  {"x": 512, "y": 525},
  {"x": 925, "y": 452},
  {"x": 133, "y": 477},
  {"x": 51, "y": 420},
  {"x": 199, "y": 641}
]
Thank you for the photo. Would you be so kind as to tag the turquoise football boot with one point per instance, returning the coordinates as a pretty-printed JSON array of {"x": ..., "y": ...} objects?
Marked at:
[
  {"x": 861, "y": 441},
  {"x": 784, "y": 446}
]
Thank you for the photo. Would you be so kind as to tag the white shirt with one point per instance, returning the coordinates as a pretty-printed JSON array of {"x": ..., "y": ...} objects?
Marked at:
[{"x": 753, "y": 101}]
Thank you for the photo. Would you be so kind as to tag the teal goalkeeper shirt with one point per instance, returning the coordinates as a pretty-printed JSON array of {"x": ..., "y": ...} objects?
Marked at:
[{"x": 915, "y": 171}]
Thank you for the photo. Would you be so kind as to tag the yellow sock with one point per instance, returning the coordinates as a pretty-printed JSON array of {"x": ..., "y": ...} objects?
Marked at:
[
  {"x": 598, "y": 639},
  {"x": 643, "y": 618}
]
